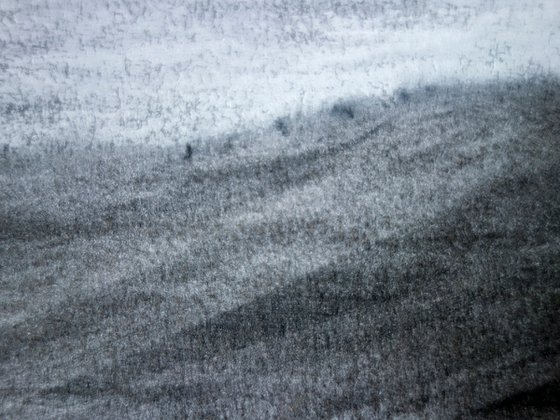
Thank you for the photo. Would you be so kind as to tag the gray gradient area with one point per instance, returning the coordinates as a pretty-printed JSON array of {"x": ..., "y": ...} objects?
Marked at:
[{"x": 365, "y": 238}]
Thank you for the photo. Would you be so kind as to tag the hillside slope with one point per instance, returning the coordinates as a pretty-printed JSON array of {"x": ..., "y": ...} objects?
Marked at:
[{"x": 379, "y": 259}]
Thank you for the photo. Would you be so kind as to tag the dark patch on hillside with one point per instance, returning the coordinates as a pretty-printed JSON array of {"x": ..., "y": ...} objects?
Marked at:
[{"x": 544, "y": 399}]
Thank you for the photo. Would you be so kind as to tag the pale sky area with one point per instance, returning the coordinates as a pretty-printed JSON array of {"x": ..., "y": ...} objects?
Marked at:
[{"x": 162, "y": 72}]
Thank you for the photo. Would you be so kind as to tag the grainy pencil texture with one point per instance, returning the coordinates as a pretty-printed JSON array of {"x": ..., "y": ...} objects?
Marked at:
[
  {"x": 281, "y": 209},
  {"x": 401, "y": 258}
]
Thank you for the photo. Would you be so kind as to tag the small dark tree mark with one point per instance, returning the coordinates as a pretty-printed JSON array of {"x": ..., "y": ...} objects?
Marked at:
[
  {"x": 403, "y": 96},
  {"x": 343, "y": 110},
  {"x": 188, "y": 152},
  {"x": 281, "y": 124}
]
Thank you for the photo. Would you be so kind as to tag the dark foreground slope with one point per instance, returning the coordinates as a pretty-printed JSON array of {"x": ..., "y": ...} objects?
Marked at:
[{"x": 382, "y": 259}]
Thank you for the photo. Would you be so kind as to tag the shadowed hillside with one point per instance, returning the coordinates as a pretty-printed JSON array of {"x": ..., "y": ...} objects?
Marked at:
[{"x": 376, "y": 259}]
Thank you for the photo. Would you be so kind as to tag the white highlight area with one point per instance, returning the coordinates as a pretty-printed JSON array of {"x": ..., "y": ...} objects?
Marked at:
[{"x": 165, "y": 71}]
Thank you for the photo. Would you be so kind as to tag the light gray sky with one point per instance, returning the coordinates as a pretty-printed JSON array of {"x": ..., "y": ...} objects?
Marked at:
[{"x": 165, "y": 71}]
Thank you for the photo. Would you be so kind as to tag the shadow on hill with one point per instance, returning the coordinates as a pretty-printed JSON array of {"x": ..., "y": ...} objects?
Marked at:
[
  {"x": 544, "y": 399},
  {"x": 349, "y": 309}
]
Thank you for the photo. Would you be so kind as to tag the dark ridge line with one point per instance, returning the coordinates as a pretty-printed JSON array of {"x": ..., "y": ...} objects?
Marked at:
[
  {"x": 289, "y": 309},
  {"x": 278, "y": 173}
]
